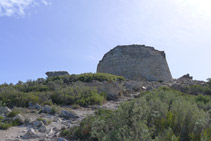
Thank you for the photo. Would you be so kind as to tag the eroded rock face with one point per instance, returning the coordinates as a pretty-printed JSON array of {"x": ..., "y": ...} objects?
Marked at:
[
  {"x": 56, "y": 73},
  {"x": 136, "y": 62}
]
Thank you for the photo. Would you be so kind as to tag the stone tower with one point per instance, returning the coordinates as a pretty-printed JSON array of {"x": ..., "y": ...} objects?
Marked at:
[{"x": 136, "y": 62}]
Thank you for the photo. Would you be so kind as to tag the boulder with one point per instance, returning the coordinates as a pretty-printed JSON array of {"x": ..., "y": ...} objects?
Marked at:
[
  {"x": 132, "y": 86},
  {"x": 187, "y": 76},
  {"x": 56, "y": 73},
  {"x": 4, "y": 110},
  {"x": 31, "y": 134},
  {"x": 34, "y": 106},
  {"x": 47, "y": 109},
  {"x": 42, "y": 129},
  {"x": 38, "y": 123},
  {"x": 68, "y": 114}
]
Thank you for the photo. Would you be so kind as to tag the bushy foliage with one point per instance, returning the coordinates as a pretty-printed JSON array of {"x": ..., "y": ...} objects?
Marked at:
[
  {"x": 86, "y": 77},
  {"x": 13, "y": 113},
  {"x": 159, "y": 115},
  {"x": 4, "y": 126},
  {"x": 55, "y": 90},
  {"x": 7, "y": 124},
  {"x": 82, "y": 96},
  {"x": 198, "y": 89},
  {"x": 16, "y": 98}
]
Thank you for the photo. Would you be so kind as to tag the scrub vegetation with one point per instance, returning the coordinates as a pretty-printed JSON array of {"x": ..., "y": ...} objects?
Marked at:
[
  {"x": 60, "y": 90},
  {"x": 160, "y": 115}
]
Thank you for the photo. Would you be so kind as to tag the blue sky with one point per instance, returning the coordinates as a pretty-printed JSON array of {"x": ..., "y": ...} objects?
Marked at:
[{"x": 73, "y": 35}]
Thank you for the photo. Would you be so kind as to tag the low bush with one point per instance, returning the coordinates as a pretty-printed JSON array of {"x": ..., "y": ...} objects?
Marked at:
[
  {"x": 162, "y": 114},
  {"x": 18, "y": 99},
  {"x": 1, "y": 118},
  {"x": 82, "y": 96},
  {"x": 55, "y": 90},
  {"x": 13, "y": 113},
  {"x": 198, "y": 89},
  {"x": 86, "y": 77},
  {"x": 4, "y": 126}
]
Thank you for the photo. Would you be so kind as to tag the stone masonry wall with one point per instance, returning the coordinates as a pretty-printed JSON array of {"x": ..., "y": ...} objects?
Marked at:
[{"x": 136, "y": 62}]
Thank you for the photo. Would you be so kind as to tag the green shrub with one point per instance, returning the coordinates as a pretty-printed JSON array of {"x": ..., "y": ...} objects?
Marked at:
[
  {"x": 204, "y": 99},
  {"x": 46, "y": 91},
  {"x": 50, "y": 103},
  {"x": 198, "y": 89},
  {"x": 76, "y": 106},
  {"x": 86, "y": 77},
  {"x": 5, "y": 126},
  {"x": 16, "y": 122},
  {"x": 18, "y": 99},
  {"x": 1, "y": 118},
  {"x": 162, "y": 114},
  {"x": 82, "y": 96},
  {"x": 206, "y": 134},
  {"x": 13, "y": 113}
]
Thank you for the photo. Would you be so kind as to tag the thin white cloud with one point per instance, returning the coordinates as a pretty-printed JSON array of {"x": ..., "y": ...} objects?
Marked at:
[
  {"x": 45, "y": 2},
  {"x": 17, "y": 7}
]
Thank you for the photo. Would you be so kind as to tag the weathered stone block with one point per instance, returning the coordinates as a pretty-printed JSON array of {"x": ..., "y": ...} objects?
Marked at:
[{"x": 56, "y": 73}]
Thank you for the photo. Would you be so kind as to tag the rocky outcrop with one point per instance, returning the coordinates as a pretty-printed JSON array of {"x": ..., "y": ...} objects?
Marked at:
[
  {"x": 186, "y": 77},
  {"x": 56, "y": 73},
  {"x": 136, "y": 62},
  {"x": 31, "y": 134},
  {"x": 4, "y": 110},
  {"x": 68, "y": 115}
]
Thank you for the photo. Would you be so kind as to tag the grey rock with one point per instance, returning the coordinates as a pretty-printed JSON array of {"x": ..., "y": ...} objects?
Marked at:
[
  {"x": 136, "y": 62},
  {"x": 4, "y": 110},
  {"x": 31, "y": 134},
  {"x": 187, "y": 76},
  {"x": 68, "y": 114},
  {"x": 57, "y": 119},
  {"x": 51, "y": 131},
  {"x": 56, "y": 73},
  {"x": 133, "y": 86},
  {"x": 34, "y": 106},
  {"x": 42, "y": 129},
  {"x": 61, "y": 139},
  {"x": 38, "y": 123},
  {"x": 47, "y": 109}
]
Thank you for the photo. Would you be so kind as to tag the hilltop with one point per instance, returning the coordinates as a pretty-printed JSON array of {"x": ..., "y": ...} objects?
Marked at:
[{"x": 109, "y": 106}]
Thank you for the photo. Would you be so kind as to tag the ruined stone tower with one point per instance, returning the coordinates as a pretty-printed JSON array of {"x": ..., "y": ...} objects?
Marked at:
[{"x": 136, "y": 62}]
